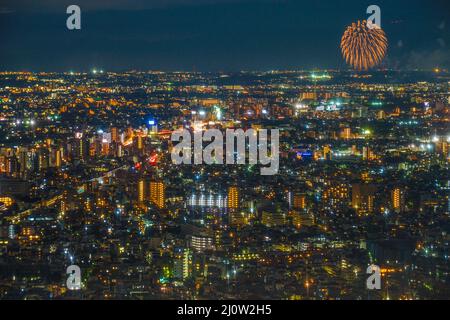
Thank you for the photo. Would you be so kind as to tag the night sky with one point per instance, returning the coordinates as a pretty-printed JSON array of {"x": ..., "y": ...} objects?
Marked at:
[{"x": 213, "y": 35}]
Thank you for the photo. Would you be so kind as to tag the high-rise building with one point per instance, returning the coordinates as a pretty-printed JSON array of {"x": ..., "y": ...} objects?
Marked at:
[
  {"x": 363, "y": 196},
  {"x": 346, "y": 133},
  {"x": 397, "y": 199},
  {"x": 336, "y": 194},
  {"x": 44, "y": 159},
  {"x": 157, "y": 194},
  {"x": 105, "y": 148},
  {"x": 2, "y": 164},
  {"x": 114, "y": 134},
  {"x": 239, "y": 218},
  {"x": 327, "y": 153},
  {"x": 301, "y": 219},
  {"x": 367, "y": 153},
  {"x": 233, "y": 197},
  {"x": 299, "y": 201},
  {"x": 12, "y": 166},
  {"x": 273, "y": 218},
  {"x": 202, "y": 200},
  {"x": 58, "y": 159},
  {"x": 23, "y": 157},
  {"x": 12, "y": 231},
  {"x": 182, "y": 263},
  {"x": 140, "y": 142},
  {"x": 81, "y": 149},
  {"x": 141, "y": 191},
  {"x": 443, "y": 149},
  {"x": 201, "y": 242}
]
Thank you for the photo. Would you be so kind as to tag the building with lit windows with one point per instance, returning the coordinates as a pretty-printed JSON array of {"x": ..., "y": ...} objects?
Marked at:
[
  {"x": 157, "y": 194},
  {"x": 397, "y": 200},
  {"x": 363, "y": 196},
  {"x": 273, "y": 218},
  {"x": 233, "y": 197},
  {"x": 210, "y": 200},
  {"x": 141, "y": 191},
  {"x": 182, "y": 263},
  {"x": 299, "y": 201},
  {"x": 201, "y": 243}
]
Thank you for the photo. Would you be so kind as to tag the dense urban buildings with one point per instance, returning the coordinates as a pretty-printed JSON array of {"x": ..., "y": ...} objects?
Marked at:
[{"x": 86, "y": 179}]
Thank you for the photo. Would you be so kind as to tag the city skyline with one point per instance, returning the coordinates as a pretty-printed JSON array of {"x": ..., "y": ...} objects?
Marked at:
[
  {"x": 143, "y": 156},
  {"x": 88, "y": 183}
]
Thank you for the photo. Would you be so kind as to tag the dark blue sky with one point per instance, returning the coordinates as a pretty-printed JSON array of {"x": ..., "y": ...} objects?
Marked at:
[{"x": 214, "y": 35}]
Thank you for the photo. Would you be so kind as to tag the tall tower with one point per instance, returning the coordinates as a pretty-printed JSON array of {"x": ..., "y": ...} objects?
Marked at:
[
  {"x": 141, "y": 191},
  {"x": 182, "y": 263},
  {"x": 114, "y": 134},
  {"x": 82, "y": 149},
  {"x": 397, "y": 199},
  {"x": 58, "y": 160},
  {"x": 140, "y": 142},
  {"x": 233, "y": 197}
]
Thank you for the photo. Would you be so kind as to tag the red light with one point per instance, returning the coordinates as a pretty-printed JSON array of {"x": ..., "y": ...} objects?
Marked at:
[{"x": 153, "y": 160}]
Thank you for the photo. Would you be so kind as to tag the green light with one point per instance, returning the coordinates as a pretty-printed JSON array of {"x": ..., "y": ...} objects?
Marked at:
[
  {"x": 163, "y": 280},
  {"x": 320, "y": 76}
]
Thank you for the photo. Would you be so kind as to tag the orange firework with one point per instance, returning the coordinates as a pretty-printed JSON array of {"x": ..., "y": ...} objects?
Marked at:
[{"x": 363, "y": 47}]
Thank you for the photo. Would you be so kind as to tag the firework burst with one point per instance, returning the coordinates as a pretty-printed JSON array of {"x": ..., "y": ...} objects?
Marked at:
[{"x": 363, "y": 47}]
